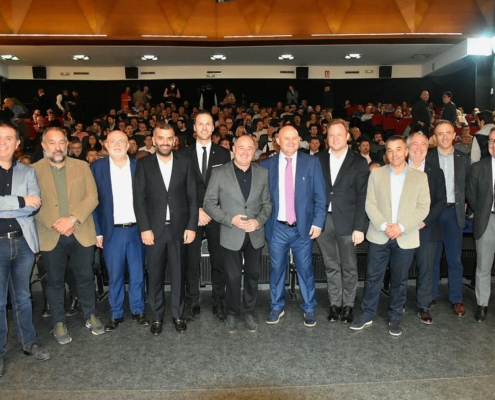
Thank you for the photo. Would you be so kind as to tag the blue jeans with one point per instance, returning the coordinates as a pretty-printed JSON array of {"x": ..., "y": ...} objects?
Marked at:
[{"x": 16, "y": 266}]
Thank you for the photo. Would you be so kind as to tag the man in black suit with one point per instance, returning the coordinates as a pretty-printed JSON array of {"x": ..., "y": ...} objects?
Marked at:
[
  {"x": 421, "y": 114},
  {"x": 430, "y": 230},
  {"x": 480, "y": 194},
  {"x": 204, "y": 156},
  {"x": 166, "y": 208},
  {"x": 455, "y": 166},
  {"x": 449, "y": 109},
  {"x": 346, "y": 178}
]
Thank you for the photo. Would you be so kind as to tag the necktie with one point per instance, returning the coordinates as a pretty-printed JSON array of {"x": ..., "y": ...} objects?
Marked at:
[
  {"x": 203, "y": 166},
  {"x": 289, "y": 193}
]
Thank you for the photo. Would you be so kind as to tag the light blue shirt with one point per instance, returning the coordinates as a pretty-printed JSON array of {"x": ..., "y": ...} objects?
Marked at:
[
  {"x": 396, "y": 186},
  {"x": 447, "y": 165}
]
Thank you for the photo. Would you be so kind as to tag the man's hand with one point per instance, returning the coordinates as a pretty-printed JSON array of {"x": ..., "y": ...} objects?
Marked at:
[
  {"x": 148, "y": 238},
  {"x": 422, "y": 225},
  {"x": 251, "y": 225},
  {"x": 393, "y": 231},
  {"x": 204, "y": 218},
  {"x": 189, "y": 236},
  {"x": 99, "y": 242},
  {"x": 63, "y": 226},
  {"x": 314, "y": 232},
  {"x": 357, "y": 237},
  {"x": 32, "y": 201},
  {"x": 238, "y": 221}
]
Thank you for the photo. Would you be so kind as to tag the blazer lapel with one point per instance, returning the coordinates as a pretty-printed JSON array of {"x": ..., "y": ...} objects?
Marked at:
[
  {"x": 158, "y": 178},
  {"x": 274, "y": 179},
  {"x": 235, "y": 183},
  {"x": 325, "y": 165},
  {"x": 48, "y": 177},
  {"x": 345, "y": 165},
  {"x": 69, "y": 174}
]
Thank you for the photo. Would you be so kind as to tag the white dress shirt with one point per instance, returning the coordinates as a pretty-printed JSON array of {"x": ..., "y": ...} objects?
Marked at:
[
  {"x": 123, "y": 208},
  {"x": 493, "y": 182},
  {"x": 335, "y": 165},
  {"x": 199, "y": 153},
  {"x": 282, "y": 163},
  {"x": 166, "y": 171}
]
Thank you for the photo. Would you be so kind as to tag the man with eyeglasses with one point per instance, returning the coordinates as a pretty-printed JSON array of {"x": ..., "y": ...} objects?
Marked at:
[
  {"x": 466, "y": 143},
  {"x": 117, "y": 232}
]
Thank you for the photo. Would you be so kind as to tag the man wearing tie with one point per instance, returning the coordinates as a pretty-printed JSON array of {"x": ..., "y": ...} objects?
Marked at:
[
  {"x": 297, "y": 190},
  {"x": 480, "y": 195},
  {"x": 205, "y": 156}
]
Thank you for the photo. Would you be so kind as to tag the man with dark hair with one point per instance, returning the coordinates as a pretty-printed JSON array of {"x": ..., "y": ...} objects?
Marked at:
[
  {"x": 421, "y": 114},
  {"x": 479, "y": 149},
  {"x": 449, "y": 109},
  {"x": 208, "y": 98},
  {"x": 77, "y": 149},
  {"x": 327, "y": 99}
]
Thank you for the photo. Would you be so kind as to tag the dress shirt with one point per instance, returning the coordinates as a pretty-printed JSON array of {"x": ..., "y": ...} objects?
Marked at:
[
  {"x": 123, "y": 208},
  {"x": 396, "y": 186},
  {"x": 60, "y": 180},
  {"x": 282, "y": 163},
  {"x": 420, "y": 168},
  {"x": 367, "y": 156},
  {"x": 9, "y": 224},
  {"x": 244, "y": 178},
  {"x": 166, "y": 170},
  {"x": 199, "y": 154},
  {"x": 335, "y": 165},
  {"x": 150, "y": 150},
  {"x": 493, "y": 180},
  {"x": 447, "y": 165}
]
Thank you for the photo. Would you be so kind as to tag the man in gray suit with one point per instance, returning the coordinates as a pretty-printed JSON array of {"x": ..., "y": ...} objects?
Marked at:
[
  {"x": 480, "y": 195},
  {"x": 19, "y": 199},
  {"x": 238, "y": 197}
]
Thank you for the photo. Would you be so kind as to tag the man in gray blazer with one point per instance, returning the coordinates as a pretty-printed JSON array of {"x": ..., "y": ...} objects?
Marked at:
[
  {"x": 238, "y": 197},
  {"x": 480, "y": 195},
  {"x": 19, "y": 199}
]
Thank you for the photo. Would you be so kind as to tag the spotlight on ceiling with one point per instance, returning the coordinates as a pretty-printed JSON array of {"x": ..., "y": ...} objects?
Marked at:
[
  {"x": 79, "y": 57},
  {"x": 286, "y": 57},
  {"x": 9, "y": 57},
  {"x": 217, "y": 57},
  {"x": 353, "y": 56},
  {"x": 149, "y": 57}
]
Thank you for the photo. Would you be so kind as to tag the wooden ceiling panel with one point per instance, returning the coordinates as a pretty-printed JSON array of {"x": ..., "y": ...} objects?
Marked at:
[
  {"x": 177, "y": 13},
  {"x": 203, "y": 19},
  {"x": 231, "y": 21},
  {"x": 334, "y": 13},
  {"x": 96, "y": 12},
  {"x": 487, "y": 8}
]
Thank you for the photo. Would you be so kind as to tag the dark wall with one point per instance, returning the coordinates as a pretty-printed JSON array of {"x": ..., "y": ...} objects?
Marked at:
[{"x": 103, "y": 95}]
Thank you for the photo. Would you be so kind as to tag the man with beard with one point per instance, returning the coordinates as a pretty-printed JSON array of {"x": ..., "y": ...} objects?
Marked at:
[{"x": 166, "y": 207}]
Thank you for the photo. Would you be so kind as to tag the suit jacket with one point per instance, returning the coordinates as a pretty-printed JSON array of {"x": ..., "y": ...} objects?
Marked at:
[
  {"x": 432, "y": 232},
  {"x": 103, "y": 214},
  {"x": 414, "y": 205},
  {"x": 310, "y": 193},
  {"x": 480, "y": 194},
  {"x": 82, "y": 198},
  {"x": 224, "y": 200},
  {"x": 24, "y": 183},
  {"x": 151, "y": 197},
  {"x": 462, "y": 166},
  {"x": 348, "y": 194},
  {"x": 449, "y": 112}
]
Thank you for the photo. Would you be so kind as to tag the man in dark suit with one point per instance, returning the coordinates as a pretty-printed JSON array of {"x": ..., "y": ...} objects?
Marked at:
[
  {"x": 238, "y": 197},
  {"x": 421, "y": 114},
  {"x": 116, "y": 230},
  {"x": 430, "y": 232},
  {"x": 346, "y": 177},
  {"x": 166, "y": 207},
  {"x": 204, "y": 156},
  {"x": 455, "y": 166},
  {"x": 480, "y": 195},
  {"x": 449, "y": 109},
  {"x": 297, "y": 190}
]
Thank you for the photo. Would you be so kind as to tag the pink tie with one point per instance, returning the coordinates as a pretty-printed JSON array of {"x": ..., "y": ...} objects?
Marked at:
[{"x": 289, "y": 193}]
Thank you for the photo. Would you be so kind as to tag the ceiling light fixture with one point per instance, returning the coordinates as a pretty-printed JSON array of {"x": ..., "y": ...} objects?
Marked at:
[
  {"x": 48, "y": 35},
  {"x": 254, "y": 36},
  {"x": 435, "y": 33},
  {"x": 421, "y": 56},
  {"x": 217, "y": 57},
  {"x": 79, "y": 57},
  {"x": 9, "y": 57},
  {"x": 354, "y": 56},
  {"x": 174, "y": 36},
  {"x": 149, "y": 57},
  {"x": 358, "y": 34},
  {"x": 286, "y": 57}
]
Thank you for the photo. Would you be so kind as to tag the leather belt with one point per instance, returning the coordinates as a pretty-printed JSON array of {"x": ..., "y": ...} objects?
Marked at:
[
  {"x": 10, "y": 235},
  {"x": 128, "y": 225},
  {"x": 449, "y": 205},
  {"x": 287, "y": 224}
]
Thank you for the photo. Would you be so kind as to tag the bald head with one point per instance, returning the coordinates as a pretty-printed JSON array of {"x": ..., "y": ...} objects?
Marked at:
[{"x": 117, "y": 144}]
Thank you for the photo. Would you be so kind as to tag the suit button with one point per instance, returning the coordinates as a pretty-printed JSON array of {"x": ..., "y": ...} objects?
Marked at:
[
  {"x": 245, "y": 208},
  {"x": 168, "y": 197},
  {"x": 331, "y": 192}
]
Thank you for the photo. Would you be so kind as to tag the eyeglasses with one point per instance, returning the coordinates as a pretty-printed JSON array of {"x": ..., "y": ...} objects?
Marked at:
[
  {"x": 491, "y": 142},
  {"x": 120, "y": 141}
]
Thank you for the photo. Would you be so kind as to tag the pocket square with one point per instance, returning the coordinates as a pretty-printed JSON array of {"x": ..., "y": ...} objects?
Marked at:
[{"x": 218, "y": 165}]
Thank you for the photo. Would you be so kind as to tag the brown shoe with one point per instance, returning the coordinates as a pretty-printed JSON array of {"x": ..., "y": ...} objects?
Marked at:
[
  {"x": 425, "y": 316},
  {"x": 459, "y": 309},
  {"x": 433, "y": 302}
]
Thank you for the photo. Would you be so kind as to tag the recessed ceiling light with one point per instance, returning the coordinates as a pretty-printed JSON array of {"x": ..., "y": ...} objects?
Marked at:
[
  {"x": 149, "y": 57},
  {"x": 9, "y": 57},
  {"x": 353, "y": 56},
  {"x": 175, "y": 36},
  {"x": 286, "y": 57},
  {"x": 79, "y": 57},
  {"x": 421, "y": 56},
  {"x": 217, "y": 57}
]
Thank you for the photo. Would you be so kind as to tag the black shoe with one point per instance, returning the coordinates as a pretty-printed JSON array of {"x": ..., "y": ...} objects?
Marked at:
[
  {"x": 156, "y": 327},
  {"x": 74, "y": 305},
  {"x": 231, "y": 323},
  {"x": 141, "y": 319},
  {"x": 37, "y": 351},
  {"x": 2, "y": 366},
  {"x": 113, "y": 324},
  {"x": 334, "y": 313},
  {"x": 195, "y": 309},
  {"x": 46, "y": 309},
  {"x": 220, "y": 312},
  {"x": 347, "y": 316},
  {"x": 480, "y": 315},
  {"x": 191, "y": 312},
  {"x": 180, "y": 325}
]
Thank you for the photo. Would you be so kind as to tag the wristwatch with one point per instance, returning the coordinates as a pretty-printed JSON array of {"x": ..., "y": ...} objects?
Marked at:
[{"x": 73, "y": 219}]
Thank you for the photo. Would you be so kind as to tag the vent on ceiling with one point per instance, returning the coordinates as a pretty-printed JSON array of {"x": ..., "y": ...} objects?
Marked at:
[
  {"x": 147, "y": 73},
  {"x": 421, "y": 56},
  {"x": 81, "y": 73},
  {"x": 286, "y": 72},
  {"x": 213, "y": 72},
  {"x": 352, "y": 72}
]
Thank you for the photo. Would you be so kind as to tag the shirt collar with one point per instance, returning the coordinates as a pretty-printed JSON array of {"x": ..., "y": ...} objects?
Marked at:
[
  {"x": 127, "y": 162},
  {"x": 422, "y": 166},
  {"x": 402, "y": 173},
  {"x": 199, "y": 147},
  {"x": 283, "y": 156}
]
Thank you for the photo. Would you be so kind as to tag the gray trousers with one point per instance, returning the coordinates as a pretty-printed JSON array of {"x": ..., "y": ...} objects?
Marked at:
[
  {"x": 340, "y": 258},
  {"x": 485, "y": 249}
]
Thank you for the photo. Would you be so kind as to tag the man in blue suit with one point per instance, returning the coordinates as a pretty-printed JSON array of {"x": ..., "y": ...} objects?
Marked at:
[
  {"x": 298, "y": 195},
  {"x": 117, "y": 231}
]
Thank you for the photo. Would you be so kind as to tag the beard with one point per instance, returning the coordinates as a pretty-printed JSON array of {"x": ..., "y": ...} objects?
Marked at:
[
  {"x": 57, "y": 157},
  {"x": 164, "y": 150}
]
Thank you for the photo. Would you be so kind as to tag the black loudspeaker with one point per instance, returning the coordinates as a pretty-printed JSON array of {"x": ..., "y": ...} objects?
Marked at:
[
  {"x": 302, "y": 72},
  {"x": 131, "y": 73},
  {"x": 39, "y": 72},
  {"x": 385, "y": 71}
]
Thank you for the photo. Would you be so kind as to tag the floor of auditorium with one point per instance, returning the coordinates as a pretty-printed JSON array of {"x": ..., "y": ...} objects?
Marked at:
[{"x": 452, "y": 359}]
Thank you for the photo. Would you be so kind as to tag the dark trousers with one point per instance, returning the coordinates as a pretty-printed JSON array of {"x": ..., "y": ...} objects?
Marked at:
[
  {"x": 233, "y": 273},
  {"x": 425, "y": 256},
  {"x": 193, "y": 258},
  {"x": 379, "y": 256},
  {"x": 167, "y": 251},
  {"x": 70, "y": 278},
  {"x": 82, "y": 265}
]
